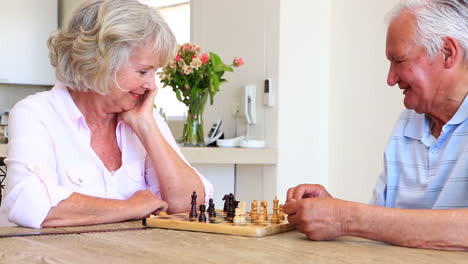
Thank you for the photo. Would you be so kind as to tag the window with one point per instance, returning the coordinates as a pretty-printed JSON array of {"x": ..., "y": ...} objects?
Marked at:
[{"x": 177, "y": 15}]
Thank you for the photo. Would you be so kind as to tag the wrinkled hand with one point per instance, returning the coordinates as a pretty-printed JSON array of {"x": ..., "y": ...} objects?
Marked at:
[
  {"x": 143, "y": 203},
  {"x": 320, "y": 218},
  {"x": 304, "y": 191},
  {"x": 143, "y": 111}
]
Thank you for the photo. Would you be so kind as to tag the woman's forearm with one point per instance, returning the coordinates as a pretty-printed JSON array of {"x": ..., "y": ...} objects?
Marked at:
[
  {"x": 176, "y": 179},
  {"x": 79, "y": 209}
]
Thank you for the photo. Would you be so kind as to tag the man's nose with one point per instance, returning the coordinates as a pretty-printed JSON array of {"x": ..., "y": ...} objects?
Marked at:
[{"x": 392, "y": 77}]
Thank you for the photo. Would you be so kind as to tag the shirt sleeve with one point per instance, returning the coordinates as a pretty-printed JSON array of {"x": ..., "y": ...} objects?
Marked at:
[
  {"x": 31, "y": 187},
  {"x": 380, "y": 189},
  {"x": 153, "y": 184}
]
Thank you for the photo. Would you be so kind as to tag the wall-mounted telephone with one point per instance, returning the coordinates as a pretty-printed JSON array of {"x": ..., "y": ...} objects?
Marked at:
[{"x": 250, "y": 104}]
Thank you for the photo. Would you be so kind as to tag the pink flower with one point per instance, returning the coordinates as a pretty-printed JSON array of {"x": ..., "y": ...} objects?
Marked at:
[
  {"x": 238, "y": 62},
  {"x": 204, "y": 58},
  {"x": 177, "y": 58}
]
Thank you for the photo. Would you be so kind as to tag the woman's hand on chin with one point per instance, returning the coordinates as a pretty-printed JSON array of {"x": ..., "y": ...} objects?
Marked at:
[{"x": 142, "y": 114}]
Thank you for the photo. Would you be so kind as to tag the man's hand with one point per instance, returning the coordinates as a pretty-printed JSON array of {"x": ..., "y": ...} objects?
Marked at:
[
  {"x": 320, "y": 218},
  {"x": 304, "y": 191},
  {"x": 143, "y": 203}
]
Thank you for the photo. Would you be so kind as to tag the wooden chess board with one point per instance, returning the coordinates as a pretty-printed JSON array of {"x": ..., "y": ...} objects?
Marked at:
[{"x": 221, "y": 226}]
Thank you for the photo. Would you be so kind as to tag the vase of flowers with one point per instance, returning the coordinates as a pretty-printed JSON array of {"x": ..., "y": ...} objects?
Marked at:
[{"x": 194, "y": 77}]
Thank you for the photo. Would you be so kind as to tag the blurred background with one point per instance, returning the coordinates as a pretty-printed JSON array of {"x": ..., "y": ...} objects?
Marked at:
[{"x": 331, "y": 112}]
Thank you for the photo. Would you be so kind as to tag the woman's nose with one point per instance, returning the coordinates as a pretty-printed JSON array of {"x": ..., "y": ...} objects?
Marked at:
[{"x": 150, "y": 83}]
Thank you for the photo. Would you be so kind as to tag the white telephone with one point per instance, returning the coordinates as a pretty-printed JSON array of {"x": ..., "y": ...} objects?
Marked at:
[
  {"x": 250, "y": 104},
  {"x": 215, "y": 133}
]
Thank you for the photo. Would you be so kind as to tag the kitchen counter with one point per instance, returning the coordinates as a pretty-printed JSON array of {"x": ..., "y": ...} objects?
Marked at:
[{"x": 267, "y": 156}]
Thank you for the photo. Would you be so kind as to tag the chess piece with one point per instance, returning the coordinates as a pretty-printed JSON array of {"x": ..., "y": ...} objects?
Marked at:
[
  {"x": 242, "y": 207},
  {"x": 211, "y": 207},
  {"x": 211, "y": 211},
  {"x": 261, "y": 216},
  {"x": 264, "y": 204},
  {"x": 226, "y": 203},
  {"x": 230, "y": 213},
  {"x": 254, "y": 211},
  {"x": 275, "y": 216},
  {"x": 281, "y": 213},
  {"x": 202, "y": 217},
  {"x": 193, "y": 211},
  {"x": 234, "y": 202},
  {"x": 237, "y": 217}
]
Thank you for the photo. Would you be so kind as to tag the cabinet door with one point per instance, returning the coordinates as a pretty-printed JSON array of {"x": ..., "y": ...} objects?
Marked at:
[{"x": 25, "y": 26}]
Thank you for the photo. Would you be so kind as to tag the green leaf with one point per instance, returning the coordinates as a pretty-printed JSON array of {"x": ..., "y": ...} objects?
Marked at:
[
  {"x": 222, "y": 68},
  {"x": 215, "y": 59},
  {"x": 179, "y": 96}
]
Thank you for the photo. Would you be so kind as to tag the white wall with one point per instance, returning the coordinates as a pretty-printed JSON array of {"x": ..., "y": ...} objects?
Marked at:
[
  {"x": 363, "y": 108},
  {"x": 304, "y": 65},
  {"x": 334, "y": 110},
  {"x": 246, "y": 29}
]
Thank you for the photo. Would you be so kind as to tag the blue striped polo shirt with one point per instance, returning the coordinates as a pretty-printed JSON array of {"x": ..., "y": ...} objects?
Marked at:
[{"x": 422, "y": 171}]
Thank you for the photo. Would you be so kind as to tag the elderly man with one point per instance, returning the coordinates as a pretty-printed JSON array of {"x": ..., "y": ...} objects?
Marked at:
[{"x": 421, "y": 198}]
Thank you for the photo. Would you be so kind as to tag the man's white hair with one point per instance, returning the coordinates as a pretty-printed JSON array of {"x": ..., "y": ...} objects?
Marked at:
[{"x": 436, "y": 20}]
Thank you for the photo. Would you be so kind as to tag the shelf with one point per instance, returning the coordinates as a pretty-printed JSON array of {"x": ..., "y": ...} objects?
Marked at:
[{"x": 267, "y": 156}]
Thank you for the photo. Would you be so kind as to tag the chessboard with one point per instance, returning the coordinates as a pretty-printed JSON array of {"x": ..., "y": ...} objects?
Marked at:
[{"x": 219, "y": 225}]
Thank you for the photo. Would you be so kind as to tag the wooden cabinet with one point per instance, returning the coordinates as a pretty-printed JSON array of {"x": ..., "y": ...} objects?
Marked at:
[{"x": 25, "y": 26}]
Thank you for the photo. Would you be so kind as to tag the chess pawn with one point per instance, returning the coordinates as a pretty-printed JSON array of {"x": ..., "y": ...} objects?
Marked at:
[
  {"x": 211, "y": 211},
  {"x": 264, "y": 205},
  {"x": 254, "y": 211},
  {"x": 237, "y": 217},
  {"x": 261, "y": 217},
  {"x": 211, "y": 208},
  {"x": 281, "y": 213},
  {"x": 202, "y": 217}
]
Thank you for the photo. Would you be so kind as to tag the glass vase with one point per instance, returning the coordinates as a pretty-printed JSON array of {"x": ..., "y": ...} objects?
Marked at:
[{"x": 193, "y": 135}]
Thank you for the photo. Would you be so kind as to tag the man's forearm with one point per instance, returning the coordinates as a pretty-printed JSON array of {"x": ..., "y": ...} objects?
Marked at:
[{"x": 434, "y": 229}]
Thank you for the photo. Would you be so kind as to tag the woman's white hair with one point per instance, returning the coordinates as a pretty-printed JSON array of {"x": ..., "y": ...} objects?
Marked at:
[
  {"x": 436, "y": 20},
  {"x": 100, "y": 37}
]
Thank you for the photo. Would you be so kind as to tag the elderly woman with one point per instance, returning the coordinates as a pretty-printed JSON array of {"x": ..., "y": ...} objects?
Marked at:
[{"x": 92, "y": 150}]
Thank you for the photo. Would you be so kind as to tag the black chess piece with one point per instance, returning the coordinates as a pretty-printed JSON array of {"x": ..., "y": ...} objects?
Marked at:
[
  {"x": 202, "y": 217},
  {"x": 230, "y": 212},
  {"x": 211, "y": 211},
  {"x": 193, "y": 211},
  {"x": 226, "y": 203},
  {"x": 235, "y": 203}
]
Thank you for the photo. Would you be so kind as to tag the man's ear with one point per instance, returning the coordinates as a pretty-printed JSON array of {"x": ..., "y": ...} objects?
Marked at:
[{"x": 451, "y": 52}]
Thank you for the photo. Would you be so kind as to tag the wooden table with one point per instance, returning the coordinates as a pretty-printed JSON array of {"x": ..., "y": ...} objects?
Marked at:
[{"x": 170, "y": 246}]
